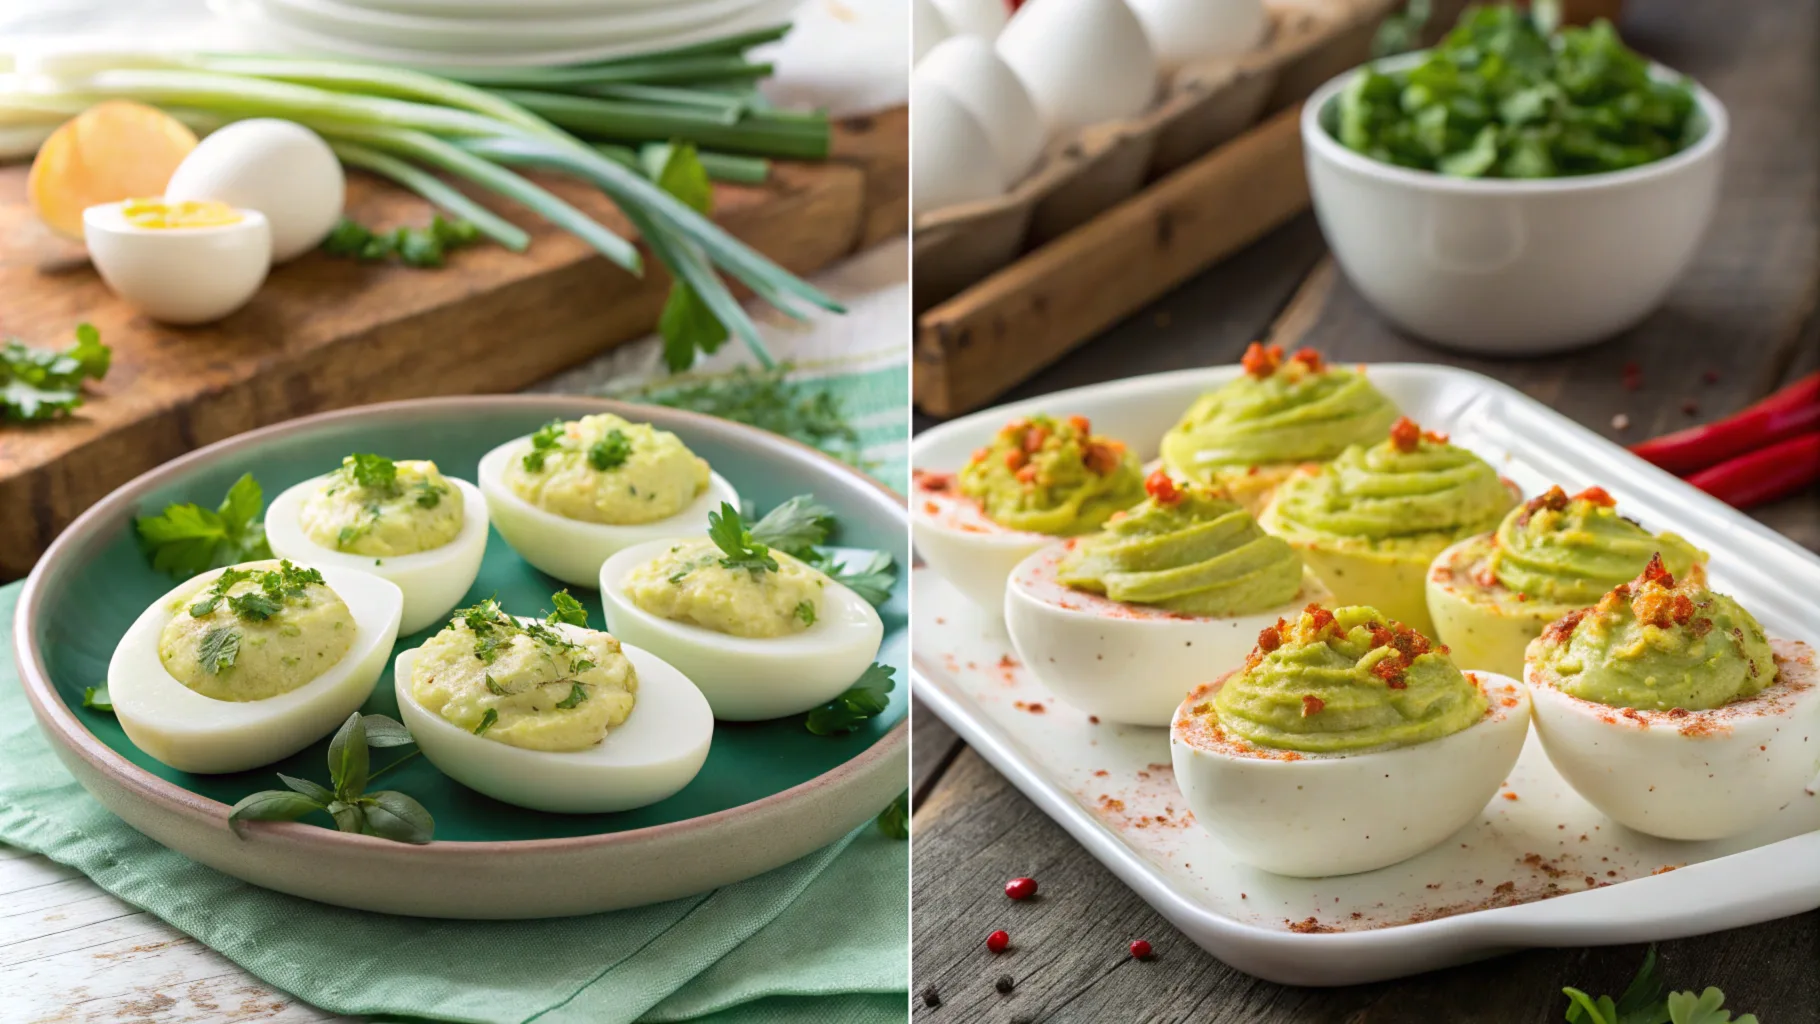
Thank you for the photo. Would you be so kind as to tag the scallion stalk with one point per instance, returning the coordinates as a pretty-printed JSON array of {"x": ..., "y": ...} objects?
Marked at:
[
  {"x": 758, "y": 133},
  {"x": 436, "y": 191}
]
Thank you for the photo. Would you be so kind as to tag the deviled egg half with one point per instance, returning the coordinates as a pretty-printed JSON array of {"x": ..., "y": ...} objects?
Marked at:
[
  {"x": 569, "y": 496},
  {"x": 1250, "y": 434},
  {"x": 400, "y": 520},
  {"x": 1122, "y": 623},
  {"x": 1370, "y": 522},
  {"x": 760, "y": 633},
  {"x": 1669, "y": 709},
  {"x": 551, "y": 715},
  {"x": 1346, "y": 742},
  {"x": 246, "y": 665},
  {"x": 1040, "y": 478},
  {"x": 185, "y": 262},
  {"x": 1492, "y": 594}
]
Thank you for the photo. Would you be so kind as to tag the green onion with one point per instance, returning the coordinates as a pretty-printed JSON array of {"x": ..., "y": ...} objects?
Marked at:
[
  {"x": 676, "y": 72},
  {"x": 729, "y": 106},
  {"x": 762, "y": 133},
  {"x": 436, "y": 191},
  {"x": 741, "y": 170}
]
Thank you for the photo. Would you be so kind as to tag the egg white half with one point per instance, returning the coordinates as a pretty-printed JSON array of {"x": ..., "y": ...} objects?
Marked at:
[
  {"x": 655, "y": 752},
  {"x": 1314, "y": 815},
  {"x": 1696, "y": 775},
  {"x": 194, "y": 733},
  {"x": 970, "y": 551},
  {"x": 750, "y": 678},
  {"x": 186, "y": 275},
  {"x": 1125, "y": 662},
  {"x": 569, "y": 549},
  {"x": 434, "y": 581}
]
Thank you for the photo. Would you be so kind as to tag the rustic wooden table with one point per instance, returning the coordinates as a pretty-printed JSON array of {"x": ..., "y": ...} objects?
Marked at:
[{"x": 1744, "y": 313}]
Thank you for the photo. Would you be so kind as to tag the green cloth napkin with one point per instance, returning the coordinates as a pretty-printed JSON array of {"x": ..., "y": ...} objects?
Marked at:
[{"x": 823, "y": 939}]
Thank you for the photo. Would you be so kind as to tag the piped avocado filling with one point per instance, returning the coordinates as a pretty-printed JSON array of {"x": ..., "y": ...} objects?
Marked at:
[{"x": 1044, "y": 475}]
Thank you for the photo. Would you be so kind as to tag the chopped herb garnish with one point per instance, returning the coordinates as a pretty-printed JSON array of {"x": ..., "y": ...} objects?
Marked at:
[
  {"x": 871, "y": 579},
  {"x": 187, "y": 539},
  {"x": 276, "y": 586},
  {"x": 610, "y": 452},
  {"x": 495, "y": 689},
  {"x": 220, "y": 648},
  {"x": 429, "y": 495},
  {"x": 254, "y": 607},
  {"x": 767, "y": 399},
  {"x": 577, "y": 694},
  {"x": 894, "y": 820},
  {"x": 373, "y": 472},
  {"x": 867, "y": 697},
  {"x": 728, "y": 532},
  {"x": 387, "y": 814},
  {"x": 1644, "y": 1002},
  {"x": 805, "y": 610},
  {"x": 547, "y": 439},
  {"x": 568, "y": 610},
  {"x": 494, "y": 629},
  {"x": 38, "y": 384},
  {"x": 423, "y": 248},
  {"x": 96, "y": 697},
  {"x": 486, "y": 722}
]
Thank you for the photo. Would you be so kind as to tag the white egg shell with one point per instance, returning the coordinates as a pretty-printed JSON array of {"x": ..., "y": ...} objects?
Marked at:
[
  {"x": 193, "y": 733},
  {"x": 655, "y": 752},
  {"x": 179, "y": 275},
  {"x": 970, "y": 71},
  {"x": 973, "y": 553},
  {"x": 952, "y": 159},
  {"x": 433, "y": 581},
  {"x": 1186, "y": 31},
  {"x": 927, "y": 27},
  {"x": 1697, "y": 775},
  {"x": 279, "y": 168},
  {"x": 982, "y": 18},
  {"x": 1339, "y": 814},
  {"x": 1124, "y": 662},
  {"x": 569, "y": 549},
  {"x": 748, "y": 679},
  {"x": 1083, "y": 61}
]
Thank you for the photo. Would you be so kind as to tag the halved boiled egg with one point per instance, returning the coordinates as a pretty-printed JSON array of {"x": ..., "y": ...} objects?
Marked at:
[
  {"x": 423, "y": 531},
  {"x": 970, "y": 551},
  {"x": 571, "y": 495},
  {"x": 807, "y": 638},
  {"x": 179, "y": 262},
  {"x": 244, "y": 666},
  {"x": 611, "y": 728}
]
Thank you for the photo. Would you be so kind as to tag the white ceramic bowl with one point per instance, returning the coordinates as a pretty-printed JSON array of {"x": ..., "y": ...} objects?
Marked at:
[{"x": 1509, "y": 267}]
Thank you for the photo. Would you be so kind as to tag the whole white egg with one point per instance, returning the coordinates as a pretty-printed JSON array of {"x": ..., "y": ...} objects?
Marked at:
[
  {"x": 179, "y": 275},
  {"x": 1083, "y": 61},
  {"x": 982, "y": 18},
  {"x": 1185, "y": 31},
  {"x": 279, "y": 168},
  {"x": 952, "y": 159},
  {"x": 970, "y": 71},
  {"x": 927, "y": 27}
]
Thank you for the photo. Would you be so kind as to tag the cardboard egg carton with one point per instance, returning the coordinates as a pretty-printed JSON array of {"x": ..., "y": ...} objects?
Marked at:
[{"x": 1202, "y": 107}]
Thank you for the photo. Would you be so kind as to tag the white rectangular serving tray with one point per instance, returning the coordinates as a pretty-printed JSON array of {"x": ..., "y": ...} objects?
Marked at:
[{"x": 1541, "y": 867}]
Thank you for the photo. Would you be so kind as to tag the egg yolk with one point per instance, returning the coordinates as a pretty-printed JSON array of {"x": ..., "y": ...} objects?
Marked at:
[{"x": 189, "y": 213}]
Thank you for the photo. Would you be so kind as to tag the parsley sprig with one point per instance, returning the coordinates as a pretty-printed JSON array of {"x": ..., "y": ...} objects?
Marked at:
[
  {"x": 546, "y": 442},
  {"x": 387, "y": 814},
  {"x": 894, "y": 820},
  {"x": 39, "y": 384},
  {"x": 687, "y": 324},
  {"x": 728, "y": 532},
  {"x": 800, "y": 526},
  {"x": 184, "y": 540},
  {"x": 1646, "y": 1001},
  {"x": 423, "y": 247},
  {"x": 372, "y": 472},
  {"x": 867, "y": 697}
]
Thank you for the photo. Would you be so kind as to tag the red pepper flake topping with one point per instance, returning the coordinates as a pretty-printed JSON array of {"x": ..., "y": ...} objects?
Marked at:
[
  {"x": 1558, "y": 631},
  {"x": 1082, "y": 424},
  {"x": 1310, "y": 359},
  {"x": 1405, "y": 435},
  {"x": 1162, "y": 488},
  {"x": 1102, "y": 457},
  {"x": 979, "y": 455},
  {"x": 1381, "y": 636},
  {"x": 1311, "y": 705},
  {"x": 1391, "y": 671},
  {"x": 1271, "y": 637},
  {"x": 1026, "y": 475},
  {"x": 1262, "y": 360},
  {"x": 932, "y": 481},
  {"x": 1597, "y": 496},
  {"x": 1409, "y": 643},
  {"x": 1015, "y": 459},
  {"x": 1554, "y": 500},
  {"x": 1319, "y": 618},
  {"x": 1034, "y": 438}
]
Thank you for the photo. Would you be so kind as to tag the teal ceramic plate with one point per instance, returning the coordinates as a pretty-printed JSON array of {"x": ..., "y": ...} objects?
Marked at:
[{"x": 769, "y": 793}]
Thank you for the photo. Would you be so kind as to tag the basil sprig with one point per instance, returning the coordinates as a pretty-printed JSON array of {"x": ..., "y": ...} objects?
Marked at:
[{"x": 387, "y": 814}]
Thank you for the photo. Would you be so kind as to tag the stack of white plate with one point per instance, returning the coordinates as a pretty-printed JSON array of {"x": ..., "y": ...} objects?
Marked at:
[{"x": 496, "y": 33}]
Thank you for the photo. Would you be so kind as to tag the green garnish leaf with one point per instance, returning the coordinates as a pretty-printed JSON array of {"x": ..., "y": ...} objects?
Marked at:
[
  {"x": 568, "y": 610},
  {"x": 805, "y": 610},
  {"x": 220, "y": 649},
  {"x": 486, "y": 722},
  {"x": 96, "y": 697},
  {"x": 373, "y": 472},
  {"x": 577, "y": 694},
  {"x": 385, "y": 732},
  {"x": 315, "y": 791},
  {"x": 687, "y": 325},
  {"x": 424, "y": 247},
  {"x": 349, "y": 816},
  {"x": 392, "y": 815},
  {"x": 728, "y": 532},
  {"x": 1706, "y": 1008},
  {"x": 253, "y": 606},
  {"x": 38, "y": 384},
  {"x": 1643, "y": 1002},
  {"x": 867, "y": 697},
  {"x": 806, "y": 411},
  {"x": 429, "y": 495},
  {"x": 495, "y": 689},
  {"x": 271, "y": 805},
  {"x": 796, "y": 526},
  {"x": 547, "y": 439},
  {"x": 894, "y": 820},
  {"x": 348, "y": 761},
  {"x": 871, "y": 579},
  {"x": 610, "y": 452},
  {"x": 187, "y": 539}
]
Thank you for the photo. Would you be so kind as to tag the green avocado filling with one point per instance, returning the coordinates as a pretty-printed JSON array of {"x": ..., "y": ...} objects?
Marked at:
[
  {"x": 1044, "y": 475},
  {"x": 1186, "y": 549},
  {"x": 1569, "y": 551},
  {"x": 1278, "y": 411},
  {"x": 1656, "y": 644},
  {"x": 1345, "y": 681}
]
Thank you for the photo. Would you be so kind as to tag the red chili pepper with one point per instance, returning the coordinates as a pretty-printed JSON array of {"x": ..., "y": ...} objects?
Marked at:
[
  {"x": 1765, "y": 474},
  {"x": 1793, "y": 410}
]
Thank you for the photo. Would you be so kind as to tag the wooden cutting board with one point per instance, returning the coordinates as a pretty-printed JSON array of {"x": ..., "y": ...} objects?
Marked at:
[{"x": 326, "y": 333}]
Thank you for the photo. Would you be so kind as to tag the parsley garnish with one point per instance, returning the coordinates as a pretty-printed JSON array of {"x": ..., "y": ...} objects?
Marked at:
[
  {"x": 38, "y": 384},
  {"x": 429, "y": 495},
  {"x": 577, "y": 694},
  {"x": 254, "y": 607},
  {"x": 495, "y": 689},
  {"x": 1644, "y": 1002},
  {"x": 373, "y": 472},
  {"x": 486, "y": 722},
  {"x": 610, "y": 452},
  {"x": 387, "y": 814},
  {"x": 493, "y": 629},
  {"x": 424, "y": 247},
  {"x": 796, "y": 528},
  {"x": 728, "y": 532},
  {"x": 547, "y": 439},
  {"x": 687, "y": 325},
  {"x": 870, "y": 696},
  {"x": 567, "y": 610},
  {"x": 767, "y": 399},
  {"x": 220, "y": 648},
  {"x": 187, "y": 539},
  {"x": 871, "y": 579},
  {"x": 275, "y": 587},
  {"x": 894, "y": 820},
  {"x": 96, "y": 697},
  {"x": 805, "y": 610}
]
